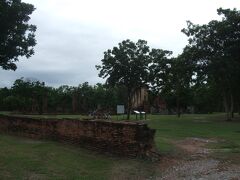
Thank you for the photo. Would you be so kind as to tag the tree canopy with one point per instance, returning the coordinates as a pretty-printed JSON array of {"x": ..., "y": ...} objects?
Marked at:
[
  {"x": 215, "y": 48},
  {"x": 128, "y": 65},
  {"x": 17, "y": 36}
]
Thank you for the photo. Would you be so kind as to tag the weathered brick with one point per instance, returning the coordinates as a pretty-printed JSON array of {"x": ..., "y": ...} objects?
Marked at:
[{"x": 122, "y": 138}]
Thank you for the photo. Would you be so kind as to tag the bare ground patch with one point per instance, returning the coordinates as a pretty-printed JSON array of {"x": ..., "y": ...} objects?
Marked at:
[
  {"x": 132, "y": 171},
  {"x": 194, "y": 147},
  {"x": 196, "y": 163}
]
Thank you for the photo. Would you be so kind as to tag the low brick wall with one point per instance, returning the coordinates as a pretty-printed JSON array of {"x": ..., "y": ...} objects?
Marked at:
[{"x": 122, "y": 138}]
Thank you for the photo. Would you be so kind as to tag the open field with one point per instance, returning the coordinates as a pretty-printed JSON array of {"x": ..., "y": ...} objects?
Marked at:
[
  {"x": 202, "y": 126},
  {"x": 192, "y": 141}
]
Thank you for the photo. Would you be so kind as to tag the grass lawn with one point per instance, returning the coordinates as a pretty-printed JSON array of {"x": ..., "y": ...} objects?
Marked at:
[
  {"x": 202, "y": 126},
  {"x": 22, "y": 158}
]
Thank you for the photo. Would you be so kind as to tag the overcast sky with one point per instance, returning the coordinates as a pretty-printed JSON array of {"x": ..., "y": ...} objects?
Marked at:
[{"x": 73, "y": 34}]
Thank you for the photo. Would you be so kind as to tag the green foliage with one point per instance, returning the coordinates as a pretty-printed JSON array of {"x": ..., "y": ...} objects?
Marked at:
[
  {"x": 126, "y": 64},
  {"x": 134, "y": 66},
  {"x": 25, "y": 96},
  {"x": 31, "y": 96},
  {"x": 206, "y": 98},
  {"x": 12, "y": 103},
  {"x": 215, "y": 49},
  {"x": 171, "y": 78},
  {"x": 16, "y": 35},
  {"x": 159, "y": 69}
]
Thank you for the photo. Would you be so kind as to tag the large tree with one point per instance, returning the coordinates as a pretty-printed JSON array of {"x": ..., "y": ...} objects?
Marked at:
[
  {"x": 128, "y": 65},
  {"x": 216, "y": 49},
  {"x": 16, "y": 34},
  {"x": 171, "y": 77}
]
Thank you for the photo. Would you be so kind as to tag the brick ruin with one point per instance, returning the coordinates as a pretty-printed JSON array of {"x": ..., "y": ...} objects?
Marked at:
[{"x": 121, "y": 138}]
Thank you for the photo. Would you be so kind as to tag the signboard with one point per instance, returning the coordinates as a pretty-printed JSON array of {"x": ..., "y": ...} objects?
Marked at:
[
  {"x": 120, "y": 109},
  {"x": 136, "y": 112}
]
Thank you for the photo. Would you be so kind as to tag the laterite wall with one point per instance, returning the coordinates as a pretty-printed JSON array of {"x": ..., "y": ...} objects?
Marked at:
[{"x": 122, "y": 138}]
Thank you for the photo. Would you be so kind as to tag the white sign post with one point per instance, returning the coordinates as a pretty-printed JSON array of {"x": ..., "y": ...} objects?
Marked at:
[{"x": 120, "y": 109}]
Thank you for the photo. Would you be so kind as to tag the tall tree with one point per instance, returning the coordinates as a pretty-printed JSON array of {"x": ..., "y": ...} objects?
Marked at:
[
  {"x": 171, "y": 78},
  {"x": 128, "y": 65},
  {"x": 216, "y": 48},
  {"x": 16, "y": 35}
]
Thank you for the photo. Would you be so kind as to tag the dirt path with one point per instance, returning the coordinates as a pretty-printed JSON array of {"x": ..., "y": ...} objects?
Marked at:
[{"x": 196, "y": 163}]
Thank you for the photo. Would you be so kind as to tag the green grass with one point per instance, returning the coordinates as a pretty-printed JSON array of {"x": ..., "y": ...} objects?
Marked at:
[
  {"x": 22, "y": 158},
  {"x": 201, "y": 126}
]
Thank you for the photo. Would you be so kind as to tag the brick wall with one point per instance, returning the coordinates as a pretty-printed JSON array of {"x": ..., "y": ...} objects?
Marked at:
[{"x": 122, "y": 138}]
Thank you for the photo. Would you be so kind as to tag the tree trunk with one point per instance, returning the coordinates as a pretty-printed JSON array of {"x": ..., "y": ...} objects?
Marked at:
[
  {"x": 45, "y": 103},
  {"x": 40, "y": 106},
  {"x": 178, "y": 99},
  {"x": 178, "y": 108},
  {"x": 226, "y": 106},
  {"x": 232, "y": 106},
  {"x": 238, "y": 107},
  {"x": 129, "y": 109},
  {"x": 74, "y": 102},
  {"x": 129, "y": 105}
]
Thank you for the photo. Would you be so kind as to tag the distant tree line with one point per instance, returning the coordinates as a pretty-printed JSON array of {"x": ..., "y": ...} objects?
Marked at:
[{"x": 31, "y": 96}]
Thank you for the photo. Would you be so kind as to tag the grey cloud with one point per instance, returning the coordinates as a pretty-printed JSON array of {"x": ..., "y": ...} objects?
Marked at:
[
  {"x": 62, "y": 57},
  {"x": 51, "y": 78}
]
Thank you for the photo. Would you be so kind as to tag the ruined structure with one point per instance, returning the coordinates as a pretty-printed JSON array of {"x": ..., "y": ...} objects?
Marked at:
[
  {"x": 140, "y": 102},
  {"x": 140, "y": 99},
  {"x": 121, "y": 138}
]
